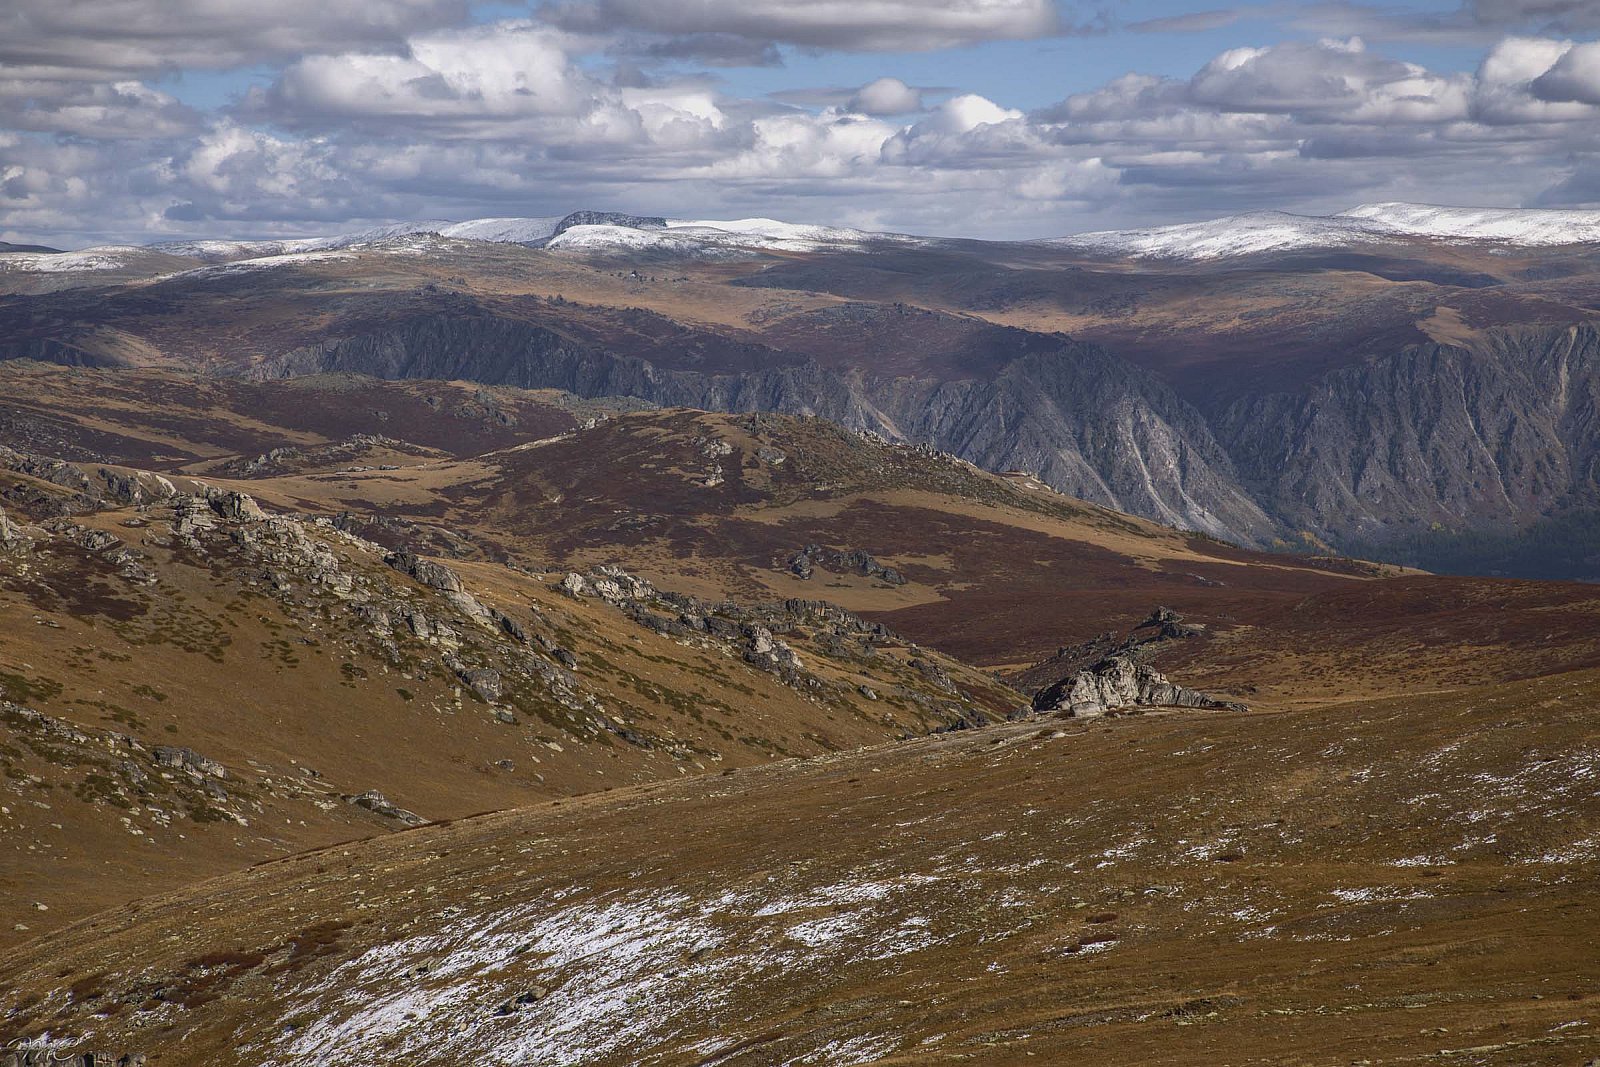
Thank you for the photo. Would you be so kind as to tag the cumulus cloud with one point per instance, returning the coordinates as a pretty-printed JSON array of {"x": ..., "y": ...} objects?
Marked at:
[
  {"x": 396, "y": 116},
  {"x": 963, "y": 114},
  {"x": 1572, "y": 78},
  {"x": 850, "y": 25},
  {"x": 1328, "y": 78},
  {"x": 1504, "y": 93},
  {"x": 504, "y": 70},
  {"x": 121, "y": 110},
  {"x": 886, "y": 96},
  {"x": 107, "y": 39}
]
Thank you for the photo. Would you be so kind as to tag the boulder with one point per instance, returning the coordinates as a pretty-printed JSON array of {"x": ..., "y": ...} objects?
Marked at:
[
  {"x": 187, "y": 759},
  {"x": 1119, "y": 682},
  {"x": 190, "y": 516},
  {"x": 11, "y": 535},
  {"x": 425, "y": 571},
  {"x": 933, "y": 673},
  {"x": 379, "y": 804},
  {"x": 1168, "y": 626},
  {"x": 484, "y": 681},
  {"x": 236, "y": 506},
  {"x": 804, "y": 563}
]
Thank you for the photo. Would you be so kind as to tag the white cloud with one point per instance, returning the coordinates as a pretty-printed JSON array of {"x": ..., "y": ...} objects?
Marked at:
[
  {"x": 1329, "y": 78},
  {"x": 119, "y": 110},
  {"x": 1572, "y": 78},
  {"x": 850, "y": 25},
  {"x": 965, "y": 113},
  {"x": 518, "y": 117},
  {"x": 103, "y": 40},
  {"x": 1504, "y": 91},
  {"x": 886, "y": 96},
  {"x": 505, "y": 70}
]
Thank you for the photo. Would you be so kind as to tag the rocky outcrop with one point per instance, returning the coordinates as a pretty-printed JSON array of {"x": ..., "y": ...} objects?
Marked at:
[
  {"x": 12, "y": 536},
  {"x": 187, "y": 759},
  {"x": 1119, "y": 682},
  {"x": 1108, "y": 673},
  {"x": 438, "y": 577},
  {"x": 86, "y": 491},
  {"x": 1164, "y": 624},
  {"x": 236, "y": 506},
  {"x": 1144, "y": 640},
  {"x": 116, "y": 769},
  {"x": 609, "y": 218},
  {"x": 803, "y": 564},
  {"x": 763, "y": 636},
  {"x": 378, "y": 804}
]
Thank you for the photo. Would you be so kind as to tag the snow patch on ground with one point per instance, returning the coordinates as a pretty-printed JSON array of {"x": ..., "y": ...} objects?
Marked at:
[{"x": 626, "y": 972}]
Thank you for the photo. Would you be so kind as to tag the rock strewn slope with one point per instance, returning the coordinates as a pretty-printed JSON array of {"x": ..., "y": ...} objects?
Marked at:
[{"x": 196, "y": 681}]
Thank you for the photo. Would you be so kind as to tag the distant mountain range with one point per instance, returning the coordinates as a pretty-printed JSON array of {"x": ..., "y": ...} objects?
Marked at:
[
  {"x": 1398, "y": 380},
  {"x": 1367, "y": 226},
  {"x": 584, "y": 231}
]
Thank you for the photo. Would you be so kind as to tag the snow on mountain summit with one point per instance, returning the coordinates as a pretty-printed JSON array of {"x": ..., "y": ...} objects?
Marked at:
[
  {"x": 1236, "y": 235},
  {"x": 600, "y": 232},
  {"x": 1521, "y": 226},
  {"x": 1368, "y": 224},
  {"x": 511, "y": 230}
]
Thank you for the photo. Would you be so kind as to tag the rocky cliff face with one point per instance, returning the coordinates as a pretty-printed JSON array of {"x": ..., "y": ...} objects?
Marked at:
[
  {"x": 1086, "y": 422},
  {"x": 1494, "y": 435}
]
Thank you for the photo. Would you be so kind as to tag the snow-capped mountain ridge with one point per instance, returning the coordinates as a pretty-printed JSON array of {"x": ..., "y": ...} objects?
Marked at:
[
  {"x": 598, "y": 232},
  {"x": 581, "y": 231},
  {"x": 1369, "y": 224}
]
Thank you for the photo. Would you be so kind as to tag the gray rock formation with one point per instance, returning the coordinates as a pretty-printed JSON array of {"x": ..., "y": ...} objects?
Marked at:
[
  {"x": 187, "y": 759},
  {"x": 441, "y": 578},
  {"x": 1488, "y": 436},
  {"x": 1492, "y": 435},
  {"x": 804, "y": 563},
  {"x": 12, "y": 536},
  {"x": 378, "y": 804},
  {"x": 484, "y": 681},
  {"x": 1120, "y": 682},
  {"x": 236, "y": 506}
]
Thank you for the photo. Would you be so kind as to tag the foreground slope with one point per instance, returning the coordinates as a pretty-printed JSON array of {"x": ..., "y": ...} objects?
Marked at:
[{"x": 1382, "y": 882}]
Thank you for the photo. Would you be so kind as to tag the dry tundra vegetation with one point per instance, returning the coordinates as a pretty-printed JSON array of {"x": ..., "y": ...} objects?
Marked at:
[{"x": 358, "y": 721}]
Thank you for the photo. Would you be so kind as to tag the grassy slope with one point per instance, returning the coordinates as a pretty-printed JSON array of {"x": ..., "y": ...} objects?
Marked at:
[
  {"x": 304, "y": 703},
  {"x": 1384, "y": 882}
]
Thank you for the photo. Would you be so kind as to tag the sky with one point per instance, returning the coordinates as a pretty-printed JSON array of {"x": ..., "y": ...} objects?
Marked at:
[{"x": 145, "y": 120}]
